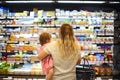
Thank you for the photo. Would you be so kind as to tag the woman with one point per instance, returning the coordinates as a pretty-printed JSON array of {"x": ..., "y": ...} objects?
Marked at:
[{"x": 65, "y": 53}]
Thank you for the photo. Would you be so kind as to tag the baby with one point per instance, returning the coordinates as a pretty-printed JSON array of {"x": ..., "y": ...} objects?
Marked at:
[{"x": 47, "y": 62}]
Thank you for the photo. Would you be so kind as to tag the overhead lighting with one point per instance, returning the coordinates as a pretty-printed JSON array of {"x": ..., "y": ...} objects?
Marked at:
[
  {"x": 114, "y": 2},
  {"x": 29, "y": 1},
  {"x": 90, "y": 2}
]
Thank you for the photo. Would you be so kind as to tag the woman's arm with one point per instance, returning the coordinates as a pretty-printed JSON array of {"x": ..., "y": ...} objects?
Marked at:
[{"x": 42, "y": 55}]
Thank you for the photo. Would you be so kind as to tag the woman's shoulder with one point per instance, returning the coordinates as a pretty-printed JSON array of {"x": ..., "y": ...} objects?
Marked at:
[{"x": 52, "y": 43}]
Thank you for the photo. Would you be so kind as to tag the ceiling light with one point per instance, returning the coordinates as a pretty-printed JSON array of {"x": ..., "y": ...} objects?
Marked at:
[
  {"x": 29, "y": 1},
  {"x": 114, "y": 2},
  {"x": 90, "y": 2}
]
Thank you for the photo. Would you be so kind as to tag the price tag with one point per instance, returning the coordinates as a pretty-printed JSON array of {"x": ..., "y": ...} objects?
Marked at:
[
  {"x": 26, "y": 42},
  {"x": 8, "y": 62},
  {"x": 25, "y": 61},
  {"x": 24, "y": 51},
  {"x": 15, "y": 51},
  {"x": 20, "y": 61},
  {"x": 43, "y": 25},
  {"x": 2, "y": 33},
  {"x": 8, "y": 51},
  {"x": 111, "y": 61},
  {"x": 15, "y": 79},
  {"x": 32, "y": 62},
  {"x": 12, "y": 62},
  {"x": 17, "y": 62},
  {"x": 98, "y": 78},
  {"x": 8, "y": 33},
  {"x": 47, "y": 25},
  {"x": 12, "y": 41}
]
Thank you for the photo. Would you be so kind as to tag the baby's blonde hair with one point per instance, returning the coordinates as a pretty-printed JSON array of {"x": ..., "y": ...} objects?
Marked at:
[{"x": 44, "y": 38}]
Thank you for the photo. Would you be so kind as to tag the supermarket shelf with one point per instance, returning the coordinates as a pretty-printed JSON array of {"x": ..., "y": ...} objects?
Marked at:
[
  {"x": 13, "y": 42},
  {"x": 61, "y": 16},
  {"x": 109, "y": 43},
  {"x": 2, "y": 51},
  {"x": 105, "y": 44},
  {"x": 5, "y": 18},
  {"x": 22, "y": 75},
  {"x": 47, "y": 25},
  {"x": 95, "y": 63},
  {"x": 83, "y": 51},
  {"x": 94, "y": 39},
  {"x": 18, "y": 25},
  {"x": 17, "y": 17},
  {"x": 91, "y": 51},
  {"x": 29, "y": 25},
  {"x": 8, "y": 33},
  {"x": 1, "y": 34},
  {"x": 90, "y": 42},
  {"x": 105, "y": 35},
  {"x": 1, "y": 41},
  {"x": 84, "y": 17},
  {"x": 11, "y": 51},
  {"x": 108, "y": 51},
  {"x": 4, "y": 34},
  {"x": 15, "y": 51},
  {"x": 104, "y": 76}
]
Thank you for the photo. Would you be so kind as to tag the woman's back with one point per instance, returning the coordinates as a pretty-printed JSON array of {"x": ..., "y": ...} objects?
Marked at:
[{"x": 64, "y": 69}]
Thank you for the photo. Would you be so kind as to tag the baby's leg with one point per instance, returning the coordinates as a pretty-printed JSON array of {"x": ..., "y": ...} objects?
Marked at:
[{"x": 50, "y": 74}]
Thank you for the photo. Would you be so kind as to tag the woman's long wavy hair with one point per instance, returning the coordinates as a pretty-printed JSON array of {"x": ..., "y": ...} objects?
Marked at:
[{"x": 67, "y": 44}]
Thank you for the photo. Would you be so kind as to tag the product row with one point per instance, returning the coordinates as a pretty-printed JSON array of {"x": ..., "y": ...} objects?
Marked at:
[
  {"x": 94, "y": 58},
  {"x": 57, "y": 17},
  {"x": 35, "y": 69},
  {"x": 52, "y": 21},
  {"x": 57, "y": 12},
  {"x": 23, "y": 69},
  {"x": 91, "y": 30},
  {"x": 16, "y": 47}
]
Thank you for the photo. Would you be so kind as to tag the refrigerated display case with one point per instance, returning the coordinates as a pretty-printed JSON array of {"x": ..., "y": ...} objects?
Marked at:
[{"x": 19, "y": 32}]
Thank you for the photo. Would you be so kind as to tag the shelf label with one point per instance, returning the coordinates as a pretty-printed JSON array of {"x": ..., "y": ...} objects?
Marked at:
[
  {"x": 2, "y": 33},
  {"x": 32, "y": 62},
  {"x": 26, "y": 42},
  {"x": 15, "y": 51},
  {"x": 2, "y": 51},
  {"x": 8, "y": 51},
  {"x": 17, "y": 62},
  {"x": 25, "y": 61},
  {"x": 12, "y": 41},
  {"x": 9, "y": 62},
  {"x": 24, "y": 51},
  {"x": 109, "y": 42}
]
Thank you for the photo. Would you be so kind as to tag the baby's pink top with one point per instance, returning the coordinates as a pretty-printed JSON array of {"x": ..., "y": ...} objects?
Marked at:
[{"x": 47, "y": 62}]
